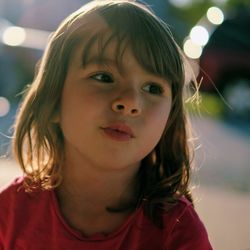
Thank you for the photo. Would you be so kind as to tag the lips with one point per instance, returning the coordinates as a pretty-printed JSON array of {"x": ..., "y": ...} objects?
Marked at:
[{"x": 119, "y": 131}]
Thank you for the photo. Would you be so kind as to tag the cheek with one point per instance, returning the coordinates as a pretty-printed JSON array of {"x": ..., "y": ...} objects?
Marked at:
[
  {"x": 159, "y": 115},
  {"x": 155, "y": 123},
  {"x": 153, "y": 129}
]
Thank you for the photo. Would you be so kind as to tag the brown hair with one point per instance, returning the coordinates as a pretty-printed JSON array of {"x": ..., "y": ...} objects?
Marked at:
[{"x": 38, "y": 140}]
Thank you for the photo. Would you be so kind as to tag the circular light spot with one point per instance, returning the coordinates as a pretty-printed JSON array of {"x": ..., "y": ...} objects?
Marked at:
[
  {"x": 4, "y": 106},
  {"x": 199, "y": 35},
  {"x": 14, "y": 36},
  {"x": 191, "y": 49},
  {"x": 215, "y": 15}
]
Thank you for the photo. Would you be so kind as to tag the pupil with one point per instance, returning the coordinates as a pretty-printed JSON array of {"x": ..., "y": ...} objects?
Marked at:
[
  {"x": 154, "y": 89},
  {"x": 106, "y": 78}
]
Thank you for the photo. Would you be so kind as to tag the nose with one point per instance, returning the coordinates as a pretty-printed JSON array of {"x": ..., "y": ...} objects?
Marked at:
[{"x": 127, "y": 103}]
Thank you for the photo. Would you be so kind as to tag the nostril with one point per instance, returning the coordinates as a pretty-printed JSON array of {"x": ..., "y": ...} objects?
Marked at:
[
  {"x": 134, "y": 111},
  {"x": 125, "y": 109},
  {"x": 119, "y": 107}
]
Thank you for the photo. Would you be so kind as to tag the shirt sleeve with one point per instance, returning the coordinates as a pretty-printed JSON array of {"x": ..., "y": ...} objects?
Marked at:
[{"x": 188, "y": 232}]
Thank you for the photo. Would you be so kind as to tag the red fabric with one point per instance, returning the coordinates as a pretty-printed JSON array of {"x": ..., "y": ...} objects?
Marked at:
[{"x": 33, "y": 221}]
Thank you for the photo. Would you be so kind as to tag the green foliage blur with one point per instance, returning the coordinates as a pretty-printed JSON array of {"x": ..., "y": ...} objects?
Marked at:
[{"x": 191, "y": 13}]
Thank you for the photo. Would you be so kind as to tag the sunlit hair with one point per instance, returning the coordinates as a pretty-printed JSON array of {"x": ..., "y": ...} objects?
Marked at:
[{"x": 38, "y": 139}]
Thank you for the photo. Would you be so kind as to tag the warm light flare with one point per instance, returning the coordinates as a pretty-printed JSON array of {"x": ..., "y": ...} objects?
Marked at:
[
  {"x": 14, "y": 36},
  {"x": 4, "y": 106},
  {"x": 191, "y": 49},
  {"x": 199, "y": 35},
  {"x": 215, "y": 15}
]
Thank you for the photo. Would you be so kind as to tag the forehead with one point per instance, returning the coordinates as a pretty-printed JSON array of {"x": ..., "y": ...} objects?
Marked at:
[
  {"x": 97, "y": 40},
  {"x": 100, "y": 37}
]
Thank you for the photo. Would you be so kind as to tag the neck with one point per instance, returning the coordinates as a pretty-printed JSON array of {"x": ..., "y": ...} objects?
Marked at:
[{"x": 90, "y": 189}]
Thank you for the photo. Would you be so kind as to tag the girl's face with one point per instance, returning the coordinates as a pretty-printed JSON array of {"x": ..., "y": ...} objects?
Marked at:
[{"x": 112, "y": 116}]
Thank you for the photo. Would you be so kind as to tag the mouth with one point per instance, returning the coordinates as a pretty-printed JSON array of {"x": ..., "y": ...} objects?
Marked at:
[{"x": 119, "y": 132}]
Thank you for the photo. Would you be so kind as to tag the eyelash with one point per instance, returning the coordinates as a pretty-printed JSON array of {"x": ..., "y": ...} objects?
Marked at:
[
  {"x": 103, "y": 77},
  {"x": 154, "y": 88}
]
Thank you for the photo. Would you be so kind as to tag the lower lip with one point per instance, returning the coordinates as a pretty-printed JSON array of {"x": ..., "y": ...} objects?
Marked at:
[{"x": 116, "y": 135}]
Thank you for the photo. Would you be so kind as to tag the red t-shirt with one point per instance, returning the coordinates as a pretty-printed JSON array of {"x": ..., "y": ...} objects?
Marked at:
[{"x": 33, "y": 221}]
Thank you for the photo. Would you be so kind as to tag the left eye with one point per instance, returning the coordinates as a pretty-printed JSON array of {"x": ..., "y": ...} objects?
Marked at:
[
  {"x": 154, "y": 89},
  {"x": 103, "y": 77}
]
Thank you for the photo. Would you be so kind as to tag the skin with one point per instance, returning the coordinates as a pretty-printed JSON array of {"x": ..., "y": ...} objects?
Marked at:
[{"x": 99, "y": 170}]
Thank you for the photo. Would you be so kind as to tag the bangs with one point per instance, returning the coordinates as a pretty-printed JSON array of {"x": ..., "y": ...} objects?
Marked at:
[{"x": 148, "y": 38}]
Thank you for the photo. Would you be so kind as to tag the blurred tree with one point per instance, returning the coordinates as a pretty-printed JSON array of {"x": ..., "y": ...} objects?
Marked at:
[
  {"x": 233, "y": 3},
  {"x": 191, "y": 13}
]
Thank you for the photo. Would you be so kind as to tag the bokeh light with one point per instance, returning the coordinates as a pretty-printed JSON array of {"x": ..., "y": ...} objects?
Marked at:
[
  {"x": 14, "y": 36},
  {"x": 215, "y": 15},
  {"x": 4, "y": 106},
  {"x": 36, "y": 39},
  {"x": 199, "y": 35},
  {"x": 191, "y": 49}
]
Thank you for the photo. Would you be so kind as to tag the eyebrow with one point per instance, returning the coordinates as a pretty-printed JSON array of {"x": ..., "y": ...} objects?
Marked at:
[
  {"x": 99, "y": 60},
  {"x": 104, "y": 61}
]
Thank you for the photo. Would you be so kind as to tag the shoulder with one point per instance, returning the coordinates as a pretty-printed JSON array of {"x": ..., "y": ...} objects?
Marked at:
[
  {"x": 184, "y": 229},
  {"x": 15, "y": 193},
  {"x": 9, "y": 198},
  {"x": 11, "y": 195},
  {"x": 7, "y": 192},
  {"x": 16, "y": 205},
  {"x": 14, "y": 200}
]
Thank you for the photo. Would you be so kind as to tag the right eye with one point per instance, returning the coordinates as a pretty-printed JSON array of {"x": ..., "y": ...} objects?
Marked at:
[{"x": 103, "y": 77}]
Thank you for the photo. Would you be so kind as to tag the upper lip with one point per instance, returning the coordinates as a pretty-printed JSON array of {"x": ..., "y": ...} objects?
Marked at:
[{"x": 121, "y": 127}]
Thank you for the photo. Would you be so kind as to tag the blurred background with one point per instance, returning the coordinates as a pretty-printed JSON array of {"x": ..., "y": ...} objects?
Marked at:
[{"x": 215, "y": 36}]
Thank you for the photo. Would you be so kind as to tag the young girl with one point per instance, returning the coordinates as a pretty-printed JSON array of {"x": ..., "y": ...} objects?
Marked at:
[{"x": 102, "y": 139}]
